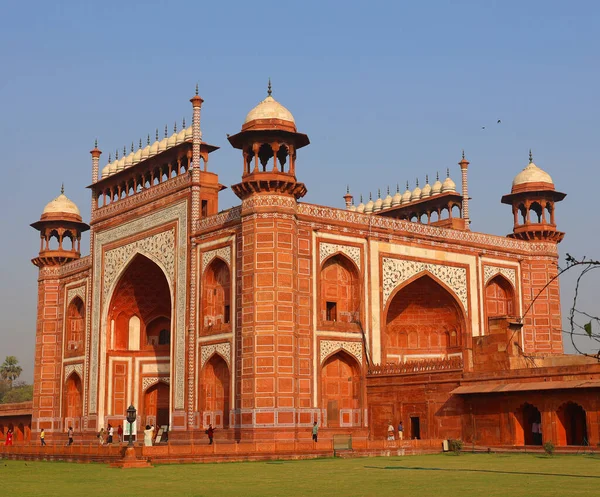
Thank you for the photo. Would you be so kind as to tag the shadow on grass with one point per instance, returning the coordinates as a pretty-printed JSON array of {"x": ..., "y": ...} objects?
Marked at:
[{"x": 460, "y": 470}]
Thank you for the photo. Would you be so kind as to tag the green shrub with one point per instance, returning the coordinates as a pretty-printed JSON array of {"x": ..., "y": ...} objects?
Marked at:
[
  {"x": 456, "y": 446},
  {"x": 549, "y": 447}
]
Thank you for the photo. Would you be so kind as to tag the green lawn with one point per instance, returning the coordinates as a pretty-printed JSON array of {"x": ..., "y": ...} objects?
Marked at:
[{"x": 441, "y": 475}]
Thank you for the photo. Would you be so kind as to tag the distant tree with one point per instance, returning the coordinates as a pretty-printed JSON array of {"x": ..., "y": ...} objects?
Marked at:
[
  {"x": 4, "y": 388},
  {"x": 10, "y": 369},
  {"x": 20, "y": 392}
]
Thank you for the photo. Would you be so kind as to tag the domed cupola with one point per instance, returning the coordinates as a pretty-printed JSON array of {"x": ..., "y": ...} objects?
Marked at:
[
  {"x": 436, "y": 189},
  {"x": 60, "y": 224},
  {"x": 426, "y": 191},
  {"x": 269, "y": 141},
  {"x": 360, "y": 207},
  {"x": 397, "y": 199},
  {"x": 416, "y": 193},
  {"x": 378, "y": 203},
  {"x": 387, "y": 201},
  {"x": 533, "y": 198},
  {"x": 448, "y": 185},
  {"x": 406, "y": 196}
]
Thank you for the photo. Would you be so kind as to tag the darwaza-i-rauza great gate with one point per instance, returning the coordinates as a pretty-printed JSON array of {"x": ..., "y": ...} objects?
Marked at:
[{"x": 269, "y": 316}]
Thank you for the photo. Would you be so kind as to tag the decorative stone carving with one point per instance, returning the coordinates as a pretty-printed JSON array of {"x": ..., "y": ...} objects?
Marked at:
[
  {"x": 329, "y": 346},
  {"x": 149, "y": 381},
  {"x": 395, "y": 272},
  {"x": 269, "y": 201},
  {"x": 222, "y": 252},
  {"x": 490, "y": 271},
  {"x": 444, "y": 234},
  {"x": 177, "y": 212},
  {"x": 223, "y": 349},
  {"x": 76, "y": 292},
  {"x": 327, "y": 249},
  {"x": 160, "y": 246},
  {"x": 70, "y": 368},
  {"x": 232, "y": 214}
]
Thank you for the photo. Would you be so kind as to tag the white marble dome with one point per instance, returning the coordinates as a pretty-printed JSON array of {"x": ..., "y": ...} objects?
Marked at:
[{"x": 269, "y": 108}]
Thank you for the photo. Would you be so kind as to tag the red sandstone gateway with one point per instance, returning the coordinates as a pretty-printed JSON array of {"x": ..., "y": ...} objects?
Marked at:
[{"x": 269, "y": 316}]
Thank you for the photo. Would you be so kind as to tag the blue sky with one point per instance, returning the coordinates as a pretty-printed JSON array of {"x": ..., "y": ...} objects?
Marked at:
[{"x": 386, "y": 91}]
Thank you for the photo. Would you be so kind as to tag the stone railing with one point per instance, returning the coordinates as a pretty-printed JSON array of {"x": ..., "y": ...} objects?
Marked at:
[
  {"x": 147, "y": 194},
  {"x": 423, "y": 366}
]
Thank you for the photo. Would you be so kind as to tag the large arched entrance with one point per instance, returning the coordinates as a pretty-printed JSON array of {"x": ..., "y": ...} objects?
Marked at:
[
  {"x": 572, "y": 425},
  {"x": 423, "y": 318},
  {"x": 156, "y": 405},
  {"x": 214, "y": 393},
  {"x": 139, "y": 339},
  {"x": 528, "y": 425},
  {"x": 341, "y": 390}
]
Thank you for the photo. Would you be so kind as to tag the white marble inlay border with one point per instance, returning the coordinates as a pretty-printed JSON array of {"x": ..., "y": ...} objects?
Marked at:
[
  {"x": 222, "y": 252},
  {"x": 490, "y": 271},
  {"x": 327, "y": 347},
  {"x": 223, "y": 349},
  {"x": 396, "y": 271},
  {"x": 327, "y": 249}
]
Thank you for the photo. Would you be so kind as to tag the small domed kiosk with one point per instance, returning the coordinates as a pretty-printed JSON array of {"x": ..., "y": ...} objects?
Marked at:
[
  {"x": 533, "y": 197},
  {"x": 60, "y": 228}
]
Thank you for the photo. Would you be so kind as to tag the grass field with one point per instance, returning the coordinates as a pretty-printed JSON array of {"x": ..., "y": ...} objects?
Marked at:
[{"x": 433, "y": 475}]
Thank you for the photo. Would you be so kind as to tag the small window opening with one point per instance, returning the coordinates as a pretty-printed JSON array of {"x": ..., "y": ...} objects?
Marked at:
[
  {"x": 226, "y": 314},
  {"x": 164, "y": 337},
  {"x": 204, "y": 208},
  {"x": 331, "y": 314}
]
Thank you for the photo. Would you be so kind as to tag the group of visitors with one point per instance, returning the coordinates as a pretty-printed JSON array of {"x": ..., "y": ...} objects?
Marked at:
[
  {"x": 390, "y": 431},
  {"x": 106, "y": 437}
]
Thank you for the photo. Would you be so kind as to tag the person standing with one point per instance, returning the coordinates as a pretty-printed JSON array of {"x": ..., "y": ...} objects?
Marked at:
[
  {"x": 211, "y": 433},
  {"x": 9, "y": 437},
  {"x": 111, "y": 432},
  {"x": 70, "y": 436},
  {"x": 148, "y": 435},
  {"x": 42, "y": 437},
  {"x": 101, "y": 436},
  {"x": 390, "y": 432},
  {"x": 120, "y": 433},
  {"x": 315, "y": 432},
  {"x": 400, "y": 431}
]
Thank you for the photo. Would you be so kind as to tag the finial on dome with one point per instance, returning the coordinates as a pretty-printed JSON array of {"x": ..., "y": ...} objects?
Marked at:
[
  {"x": 140, "y": 143},
  {"x": 437, "y": 176},
  {"x": 166, "y": 131},
  {"x": 407, "y": 185},
  {"x": 530, "y": 156},
  {"x": 156, "y": 134},
  {"x": 463, "y": 153},
  {"x": 196, "y": 88},
  {"x": 347, "y": 188},
  {"x": 96, "y": 143},
  {"x": 426, "y": 178},
  {"x": 132, "y": 146},
  {"x": 378, "y": 192},
  {"x": 397, "y": 187},
  {"x": 447, "y": 172},
  {"x": 124, "y": 150},
  {"x": 269, "y": 90},
  {"x": 117, "y": 155},
  {"x": 148, "y": 140},
  {"x": 388, "y": 189},
  {"x": 183, "y": 123},
  {"x": 62, "y": 189},
  {"x": 361, "y": 200},
  {"x": 370, "y": 196},
  {"x": 109, "y": 158},
  {"x": 175, "y": 127}
]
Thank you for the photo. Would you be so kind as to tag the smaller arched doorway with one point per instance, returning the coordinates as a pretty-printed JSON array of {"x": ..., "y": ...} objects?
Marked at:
[
  {"x": 341, "y": 390},
  {"x": 572, "y": 425},
  {"x": 73, "y": 401},
  {"x": 528, "y": 428},
  {"x": 214, "y": 392},
  {"x": 156, "y": 404}
]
